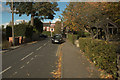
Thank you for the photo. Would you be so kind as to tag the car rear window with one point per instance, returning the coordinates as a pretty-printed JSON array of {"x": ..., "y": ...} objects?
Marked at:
[{"x": 57, "y": 36}]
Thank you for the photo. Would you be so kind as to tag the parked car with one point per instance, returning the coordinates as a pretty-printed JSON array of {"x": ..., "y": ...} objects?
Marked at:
[
  {"x": 43, "y": 36},
  {"x": 57, "y": 38}
]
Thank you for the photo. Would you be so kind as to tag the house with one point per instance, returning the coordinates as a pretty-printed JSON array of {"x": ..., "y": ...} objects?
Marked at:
[
  {"x": 49, "y": 26},
  {"x": 107, "y": 30}
]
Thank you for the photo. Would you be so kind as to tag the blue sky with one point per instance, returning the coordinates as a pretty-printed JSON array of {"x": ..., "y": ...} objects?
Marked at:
[{"x": 7, "y": 16}]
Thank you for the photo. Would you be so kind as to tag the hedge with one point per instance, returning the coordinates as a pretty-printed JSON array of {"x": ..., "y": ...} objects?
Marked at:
[
  {"x": 5, "y": 44},
  {"x": 20, "y": 30},
  {"x": 8, "y": 32},
  {"x": 72, "y": 38},
  {"x": 86, "y": 34},
  {"x": 102, "y": 53},
  {"x": 48, "y": 33},
  {"x": 29, "y": 32}
]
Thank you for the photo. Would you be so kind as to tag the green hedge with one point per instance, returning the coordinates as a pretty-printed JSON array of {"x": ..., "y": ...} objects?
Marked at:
[
  {"x": 103, "y": 54},
  {"x": 8, "y": 32},
  {"x": 72, "y": 38},
  {"x": 29, "y": 32},
  {"x": 5, "y": 44},
  {"x": 47, "y": 33},
  {"x": 86, "y": 34},
  {"x": 20, "y": 30}
]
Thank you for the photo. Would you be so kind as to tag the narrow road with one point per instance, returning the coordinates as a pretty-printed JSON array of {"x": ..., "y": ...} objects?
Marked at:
[{"x": 35, "y": 60}]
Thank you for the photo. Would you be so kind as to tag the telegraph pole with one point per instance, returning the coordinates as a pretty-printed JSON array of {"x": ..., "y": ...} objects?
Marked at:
[{"x": 13, "y": 37}]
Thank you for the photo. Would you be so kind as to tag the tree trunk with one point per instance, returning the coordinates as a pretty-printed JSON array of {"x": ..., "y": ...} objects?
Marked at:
[
  {"x": 107, "y": 33},
  {"x": 92, "y": 34},
  {"x": 32, "y": 19}
]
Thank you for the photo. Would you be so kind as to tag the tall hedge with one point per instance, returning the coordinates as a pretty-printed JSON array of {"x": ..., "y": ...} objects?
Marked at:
[
  {"x": 29, "y": 32},
  {"x": 8, "y": 32},
  {"x": 102, "y": 53},
  {"x": 20, "y": 30}
]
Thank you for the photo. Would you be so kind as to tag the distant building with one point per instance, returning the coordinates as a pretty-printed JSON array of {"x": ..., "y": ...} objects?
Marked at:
[{"x": 49, "y": 26}]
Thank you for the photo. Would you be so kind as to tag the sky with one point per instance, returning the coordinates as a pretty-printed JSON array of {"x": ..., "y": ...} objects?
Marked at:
[{"x": 7, "y": 16}]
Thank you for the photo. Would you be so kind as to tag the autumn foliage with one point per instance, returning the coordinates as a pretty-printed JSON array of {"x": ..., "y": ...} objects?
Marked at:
[{"x": 78, "y": 15}]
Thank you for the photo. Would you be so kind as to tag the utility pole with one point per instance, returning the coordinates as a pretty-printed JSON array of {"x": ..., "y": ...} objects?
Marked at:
[{"x": 13, "y": 37}]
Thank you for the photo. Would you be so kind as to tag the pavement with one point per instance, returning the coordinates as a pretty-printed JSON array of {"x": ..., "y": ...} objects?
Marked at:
[
  {"x": 76, "y": 65},
  {"x": 35, "y": 60}
]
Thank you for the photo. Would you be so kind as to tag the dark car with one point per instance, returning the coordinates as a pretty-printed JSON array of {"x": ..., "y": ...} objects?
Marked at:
[{"x": 57, "y": 38}]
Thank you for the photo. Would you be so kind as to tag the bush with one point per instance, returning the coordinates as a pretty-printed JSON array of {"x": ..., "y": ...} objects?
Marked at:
[
  {"x": 100, "y": 52},
  {"x": 79, "y": 33},
  {"x": 29, "y": 32},
  {"x": 72, "y": 38},
  {"x": 5, "y": 44},
  {"x": 8, "y": 32},
  {"x": 20, "y": 29},
  {"x": 86, "y": 34},
  {"x": 48, "y": 33}
]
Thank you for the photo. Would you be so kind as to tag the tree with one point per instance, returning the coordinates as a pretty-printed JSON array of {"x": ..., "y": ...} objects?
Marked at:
[
  {"x": 3, "y": 28},
  {"x": 85, "y": 15},
  {"x": 38, "y": 25},
  {"x": 45, "y": 10},
  {"x": 113, "y": 10},
  {"x": 58, "y": 27}
]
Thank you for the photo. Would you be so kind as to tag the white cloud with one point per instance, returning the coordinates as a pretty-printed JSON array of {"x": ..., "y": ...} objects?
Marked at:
[
  {"x": 52, "y": 21},
  {"x": 57, "y": 19},
  {"x": 16, "y": 22},
  {"x": 19, "y": 21}
]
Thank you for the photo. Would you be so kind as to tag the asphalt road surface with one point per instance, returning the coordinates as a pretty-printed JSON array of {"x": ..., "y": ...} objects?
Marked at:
[{"x": 36, "y": 60}]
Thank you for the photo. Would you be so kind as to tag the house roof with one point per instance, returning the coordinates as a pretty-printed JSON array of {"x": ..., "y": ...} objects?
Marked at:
[
  {"x": 52, "y": 25},
  {"x": 45, "y": 24},
  {"x": 48, "y": 24}
]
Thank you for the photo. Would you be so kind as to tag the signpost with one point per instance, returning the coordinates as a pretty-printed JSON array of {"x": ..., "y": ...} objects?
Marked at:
[{"x": 51, "y": 30}]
